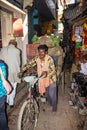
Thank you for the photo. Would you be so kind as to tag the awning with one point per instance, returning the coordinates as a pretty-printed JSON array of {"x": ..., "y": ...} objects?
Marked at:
[
  {"x": 78, "y": 21},
  {"x": 46, "y": 9},
  {"x": 74, "y": 11},
  {"x": 9, "y": 6}
]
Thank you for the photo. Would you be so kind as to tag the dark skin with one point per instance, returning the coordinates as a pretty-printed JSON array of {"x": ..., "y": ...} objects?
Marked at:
[{"x": 42, "y": 53}]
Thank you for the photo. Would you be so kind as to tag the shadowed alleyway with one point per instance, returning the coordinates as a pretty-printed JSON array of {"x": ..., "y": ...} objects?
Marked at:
[{"x": 66, "y": 118}]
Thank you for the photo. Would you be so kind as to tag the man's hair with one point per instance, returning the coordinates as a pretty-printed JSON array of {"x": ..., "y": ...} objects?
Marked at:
[
  {"x": 43, "y": 47},
  {"x": 1, "y": 61},
  {"x": 13, "y": 42}
]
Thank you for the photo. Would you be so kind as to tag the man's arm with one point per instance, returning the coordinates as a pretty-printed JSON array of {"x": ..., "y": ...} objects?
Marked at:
[
  {"x": 30, "y": 64},
  {"x": 52, "y": 69}
]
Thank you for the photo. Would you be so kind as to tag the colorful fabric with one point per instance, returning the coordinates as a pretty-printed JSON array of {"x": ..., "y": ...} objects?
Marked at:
[
  {"x": 78, "y": 44},
  {"x": 6, "y": 84},
  {"x": 2, "y": 89},
  {"x": 43, "y": 66}
]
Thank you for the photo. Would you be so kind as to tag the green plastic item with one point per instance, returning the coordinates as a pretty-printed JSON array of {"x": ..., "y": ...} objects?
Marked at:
[
  {"x": 34, "y": 39},
  {"x": 78, "y": 44}
]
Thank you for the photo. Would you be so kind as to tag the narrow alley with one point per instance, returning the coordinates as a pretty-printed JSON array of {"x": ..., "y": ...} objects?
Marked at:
[
  {"x": 60, "y": 27},
  {"x": 66, "y": 118}
]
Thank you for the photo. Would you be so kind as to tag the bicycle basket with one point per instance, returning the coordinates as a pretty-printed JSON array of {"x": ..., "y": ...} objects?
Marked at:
[{"x": 31, "y": 80}]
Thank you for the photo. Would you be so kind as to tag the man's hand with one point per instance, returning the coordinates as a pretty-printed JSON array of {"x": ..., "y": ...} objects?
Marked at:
[
  {"x": 44, "y": 74},
  {"x": 20, "y": 74}
]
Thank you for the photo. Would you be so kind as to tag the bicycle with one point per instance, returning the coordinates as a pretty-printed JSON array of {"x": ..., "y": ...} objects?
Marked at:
[
  {"x": 79, "y": 93},
  {"x": 29, "y": 112}
]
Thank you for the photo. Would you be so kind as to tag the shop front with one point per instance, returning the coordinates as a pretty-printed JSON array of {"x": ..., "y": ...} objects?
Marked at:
[
  {"x": 74, "y": 21},
  {"x": 8, "y": 12},
  {"x": 6, "y": 26},
  {"x": 13, "y": 25}
]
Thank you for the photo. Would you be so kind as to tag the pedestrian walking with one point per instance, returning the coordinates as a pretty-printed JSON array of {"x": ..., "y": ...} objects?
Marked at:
[
  {"x": 3, "y": 119},
  {"x": 11, "y": 56}
]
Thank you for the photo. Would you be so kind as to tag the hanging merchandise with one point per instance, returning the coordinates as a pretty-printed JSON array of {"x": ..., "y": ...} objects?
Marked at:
[
  {"x": 47, "y": 27},
  {"x": 78, "y": 30},
  {"x": 76, "y": 36},
  {"x": 73, "y": 37},
  {"x": 78, "y": 46},
  {"x": 78, "y": 53},
  {"x": 78, "y": 41},
  {"x": 84, "y": 34}
]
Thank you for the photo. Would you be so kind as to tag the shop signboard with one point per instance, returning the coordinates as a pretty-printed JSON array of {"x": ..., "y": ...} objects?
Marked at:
[
  {"x": 31, "y": 50},
  {"x": 17, "y": 27}
]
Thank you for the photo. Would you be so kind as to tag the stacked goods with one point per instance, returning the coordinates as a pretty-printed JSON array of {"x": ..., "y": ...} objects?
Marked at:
[
  {"x": 53, "y": 49},
  {"x": 34, "y": 39}
]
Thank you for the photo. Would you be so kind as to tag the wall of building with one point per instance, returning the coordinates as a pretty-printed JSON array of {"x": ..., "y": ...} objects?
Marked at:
[{"x": 8, "y": 12}]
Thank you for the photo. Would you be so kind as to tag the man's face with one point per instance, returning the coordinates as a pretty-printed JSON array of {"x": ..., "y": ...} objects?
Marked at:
[{"x": 42, "y": 54}]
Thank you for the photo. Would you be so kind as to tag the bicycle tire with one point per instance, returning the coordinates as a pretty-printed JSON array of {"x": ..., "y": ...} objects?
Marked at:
[{"x": 28, "y": 115}]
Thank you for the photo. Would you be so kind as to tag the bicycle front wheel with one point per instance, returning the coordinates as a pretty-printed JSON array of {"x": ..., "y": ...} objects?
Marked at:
[{"x": 28, "y": 115}]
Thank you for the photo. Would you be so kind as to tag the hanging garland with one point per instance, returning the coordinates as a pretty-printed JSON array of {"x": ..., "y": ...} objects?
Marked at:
[{"x": 84, "y": 34}]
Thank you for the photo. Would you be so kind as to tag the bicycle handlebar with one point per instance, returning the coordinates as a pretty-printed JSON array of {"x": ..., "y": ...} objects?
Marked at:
[{"x": 31, "y": 80}]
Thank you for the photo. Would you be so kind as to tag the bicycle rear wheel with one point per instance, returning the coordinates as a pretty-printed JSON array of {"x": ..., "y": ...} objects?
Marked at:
[{"x": 28, "y": 115}]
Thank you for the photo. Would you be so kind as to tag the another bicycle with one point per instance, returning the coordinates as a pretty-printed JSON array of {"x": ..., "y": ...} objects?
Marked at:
[
  {"x": 29, "y": 112},
  {"x": 79, "y": 95}
]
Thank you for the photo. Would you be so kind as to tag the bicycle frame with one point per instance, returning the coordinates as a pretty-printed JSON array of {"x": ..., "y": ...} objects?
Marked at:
[
  {"x": 29, "y": 111},
  {"x": 76, "y": 98}
]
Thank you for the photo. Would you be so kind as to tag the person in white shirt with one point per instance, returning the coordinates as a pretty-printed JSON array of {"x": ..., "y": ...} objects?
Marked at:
[
  {"x": 11, "y": 55},
  {"x": 80, "y": 73},
  {"x": 83, "y": 64}
]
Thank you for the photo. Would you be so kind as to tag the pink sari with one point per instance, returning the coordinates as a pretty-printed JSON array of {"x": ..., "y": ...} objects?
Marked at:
[{"x": 44, "y": 82}]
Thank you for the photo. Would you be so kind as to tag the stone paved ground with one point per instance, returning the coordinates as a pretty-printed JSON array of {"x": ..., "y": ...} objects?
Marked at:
[{"x": 66, "y": 118}]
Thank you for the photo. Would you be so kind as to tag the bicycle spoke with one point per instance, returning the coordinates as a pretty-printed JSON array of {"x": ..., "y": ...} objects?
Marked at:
[{"x": 29, "y": 118}]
